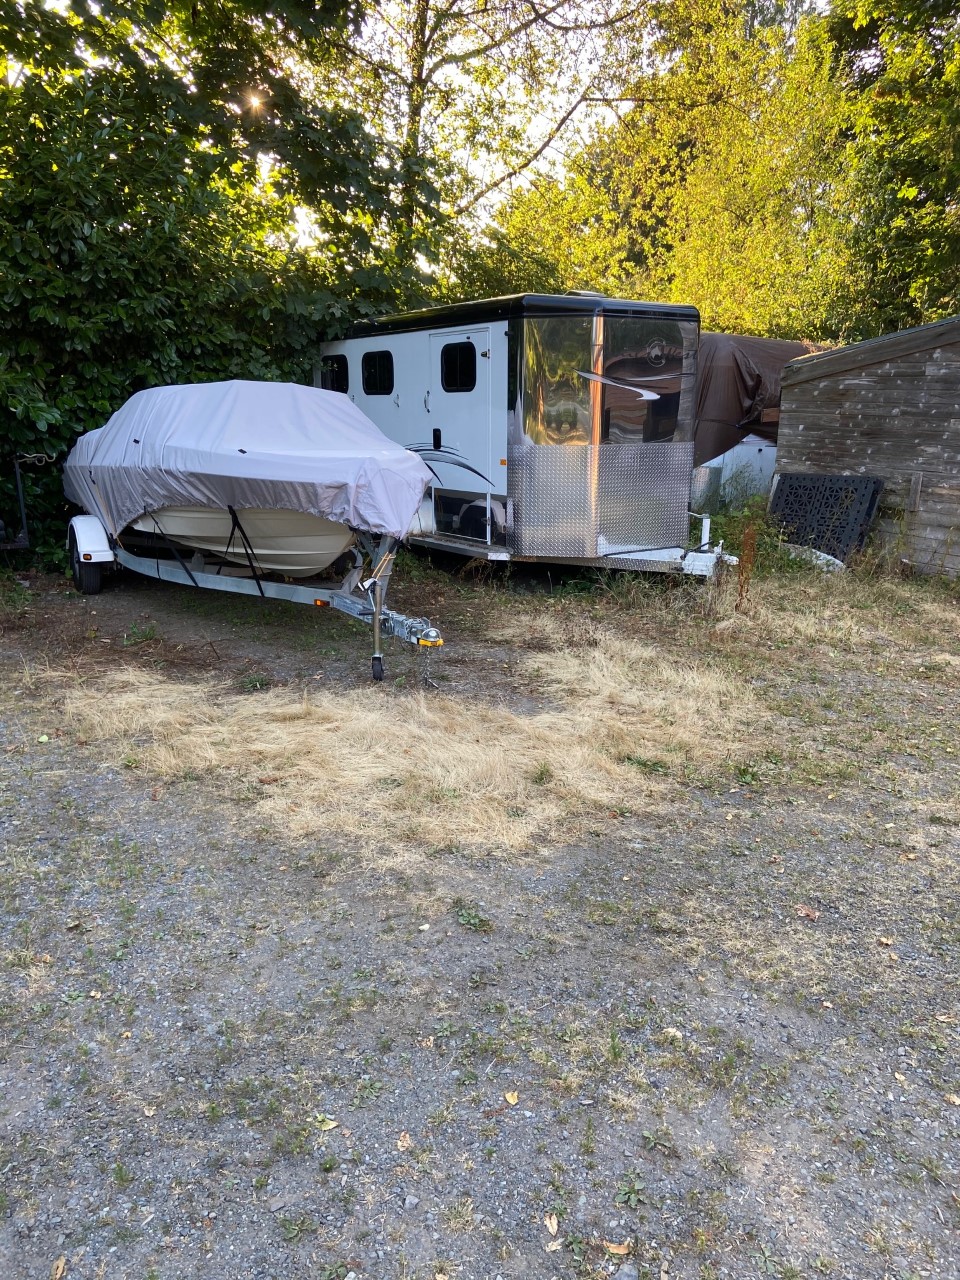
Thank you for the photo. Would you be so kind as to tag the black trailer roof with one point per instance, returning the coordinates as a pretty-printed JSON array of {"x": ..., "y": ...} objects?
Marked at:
[{"x": 458, "y": 314}]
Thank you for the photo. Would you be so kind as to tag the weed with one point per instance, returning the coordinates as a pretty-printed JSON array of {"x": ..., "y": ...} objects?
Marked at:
[
  {"x": 295, "y": 1229},
  {"x": 121, "y": 1175},
  {"x": 293, "y": 1140},
  {"x": 459, "y": 1216},
  {"x": 139, "y": 635},
  {"x": 470, "y": 916},
  {"x": 661, "y": 1140},
  {"x": 646, "y": 764},
  {"x": 588, "y": 1143},
  {"x": 367, "y": 1091},
  {"x": 616, "y": 1050},
  {"x": 254, "y": 682},
  {"x": 632, "y": 1191}
]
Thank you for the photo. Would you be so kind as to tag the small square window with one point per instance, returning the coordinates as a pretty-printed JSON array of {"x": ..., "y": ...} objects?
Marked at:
[
  {"x": 458, "y": 366},
  {"x": 376, "y": 373},
  {"x": 334, "y": 374}
]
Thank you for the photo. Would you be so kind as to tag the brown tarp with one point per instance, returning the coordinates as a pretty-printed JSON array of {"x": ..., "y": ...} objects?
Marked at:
[{"x": 737, "y": 378}]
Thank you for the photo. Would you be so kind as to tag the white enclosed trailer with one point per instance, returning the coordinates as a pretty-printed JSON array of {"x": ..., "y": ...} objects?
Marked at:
[{"x": 558, "y": 428}]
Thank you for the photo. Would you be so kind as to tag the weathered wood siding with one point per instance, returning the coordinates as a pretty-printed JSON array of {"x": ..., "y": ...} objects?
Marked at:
[{"x": 897, "y": 418}]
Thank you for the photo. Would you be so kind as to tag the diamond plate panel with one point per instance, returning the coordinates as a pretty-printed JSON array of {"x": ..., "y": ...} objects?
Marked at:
[
  {"x": 645, "y": 494},
  {"x": 583, "y": 501},
  {"x": 553, "y": 508}
]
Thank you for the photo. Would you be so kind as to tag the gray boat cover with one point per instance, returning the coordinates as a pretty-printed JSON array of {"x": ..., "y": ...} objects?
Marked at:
[{"x": 246, "y": 445}]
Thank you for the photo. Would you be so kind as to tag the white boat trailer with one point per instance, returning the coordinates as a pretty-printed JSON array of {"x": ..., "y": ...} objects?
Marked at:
[{"x": 361, "y": 594}]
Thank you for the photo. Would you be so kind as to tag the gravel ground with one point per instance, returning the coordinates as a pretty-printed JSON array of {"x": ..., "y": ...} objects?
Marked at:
[{"x": 719, "y": 1039}]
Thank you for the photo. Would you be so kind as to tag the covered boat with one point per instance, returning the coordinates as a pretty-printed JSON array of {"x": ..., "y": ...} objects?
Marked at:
[{"x": 272, "y": 475}]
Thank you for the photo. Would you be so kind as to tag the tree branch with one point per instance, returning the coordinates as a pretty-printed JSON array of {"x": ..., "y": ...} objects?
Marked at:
[{"x": 551, "y": 137}]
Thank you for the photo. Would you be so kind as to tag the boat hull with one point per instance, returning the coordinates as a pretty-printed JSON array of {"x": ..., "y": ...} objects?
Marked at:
[{"x": 292, "y": 543}]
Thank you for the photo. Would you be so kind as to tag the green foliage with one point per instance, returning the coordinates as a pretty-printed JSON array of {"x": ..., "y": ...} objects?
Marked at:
[
  {"x": 470, "y": 916},
  {"x": 901, "y": 73},
  {"x": 790, "y": 173},
  {"x": 152, "y": 210},
  {"x": 721, "y": 184},
  {"x": 750, "y": 522}
]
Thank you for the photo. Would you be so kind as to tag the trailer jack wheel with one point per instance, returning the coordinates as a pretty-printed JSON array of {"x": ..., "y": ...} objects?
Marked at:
[{"x": 378, "y": 668}]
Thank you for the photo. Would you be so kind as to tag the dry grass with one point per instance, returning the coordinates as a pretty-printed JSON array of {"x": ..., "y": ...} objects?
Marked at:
[
  {"x": 440, "y": 770},
  {"x": 849, "y": 611}
]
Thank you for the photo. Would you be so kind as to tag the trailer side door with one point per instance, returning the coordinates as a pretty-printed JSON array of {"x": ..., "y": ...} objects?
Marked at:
[{"x": 458, "y": 404}]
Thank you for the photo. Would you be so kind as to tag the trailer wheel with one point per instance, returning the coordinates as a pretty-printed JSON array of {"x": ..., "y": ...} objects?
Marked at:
[
  {"x": 378, "y": 668},
  {"x": 87, "y": 576}
]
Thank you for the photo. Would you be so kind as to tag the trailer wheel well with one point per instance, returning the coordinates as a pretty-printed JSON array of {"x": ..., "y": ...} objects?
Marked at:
[{"x": 87, "y": 577}]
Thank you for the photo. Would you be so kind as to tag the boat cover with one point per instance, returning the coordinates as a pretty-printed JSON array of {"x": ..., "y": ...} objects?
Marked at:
[
  {"x": 246, "y": 445},
  {"x": 737, "y": 378}
]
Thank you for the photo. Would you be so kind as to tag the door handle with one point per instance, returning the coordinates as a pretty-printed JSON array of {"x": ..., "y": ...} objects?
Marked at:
[{"x": 426, "y": 402}]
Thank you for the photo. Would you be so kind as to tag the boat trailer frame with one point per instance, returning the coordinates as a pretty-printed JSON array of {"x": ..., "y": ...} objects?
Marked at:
[{"x": 361, "y": 594}]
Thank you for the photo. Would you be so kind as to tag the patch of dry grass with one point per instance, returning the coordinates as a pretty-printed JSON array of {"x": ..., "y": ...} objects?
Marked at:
[
  {"x": 849, "y": 611},
  {"x": 441, "y": 770}
]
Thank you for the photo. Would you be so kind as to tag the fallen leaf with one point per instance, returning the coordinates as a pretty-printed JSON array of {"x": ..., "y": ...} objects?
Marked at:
[
  {"x": 59, "y": 1269},
  {"x": 493, "y": 1111},
  {"x": 404, "y": 1142},
  {"x": 944, "y": 1017},
  {"x": 808, "y": 913},
  {"x": 512, "y": 1098},
  {"x": 909, "y": 857},
  {"x": 551, "y": 1222},
  {"x": 884, "y": 942},
  {"x": 553, "y": 1245},
  {"x": 156, "y": 793},
  {"x": 827, "y": 1004},
  {"x": 325, "y": 1123},
  {"x": 44, "y": 737},
  {"x": 269, "y": 779},
  {"x": 125, "y": 1035},
  {"x": 893, "y": 955},
  {"x": 620, "y": 1250},
  {"x": 96, "y": 995},
  {"x": 953, "y": 1099},
  {"x": 898, "y": 1075},
  {"x": 149, "y": 1111}
]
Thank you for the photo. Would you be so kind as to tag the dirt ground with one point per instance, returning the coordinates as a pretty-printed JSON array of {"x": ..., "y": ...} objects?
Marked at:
[{"x": 710, "y": 1029}]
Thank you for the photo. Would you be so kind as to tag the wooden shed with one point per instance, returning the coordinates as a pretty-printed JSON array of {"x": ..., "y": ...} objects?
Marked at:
[{"x": 888, "y": 407}]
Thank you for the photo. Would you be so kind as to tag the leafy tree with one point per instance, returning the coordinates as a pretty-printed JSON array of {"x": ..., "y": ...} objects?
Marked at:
[
  {"x": 157, "y": 167},
  {"x": 755, "y": 229},
  {"x": 475, "y": 92},
  {"x": 901, "y": 71},
  {"x": 721, "y": 182}
]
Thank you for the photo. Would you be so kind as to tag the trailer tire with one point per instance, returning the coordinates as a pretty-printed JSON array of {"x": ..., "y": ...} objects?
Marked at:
[{"x": 87, "y": 577}]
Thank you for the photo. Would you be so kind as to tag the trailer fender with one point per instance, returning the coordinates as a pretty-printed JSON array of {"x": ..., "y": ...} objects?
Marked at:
[{"x": 92, "y": 540}]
